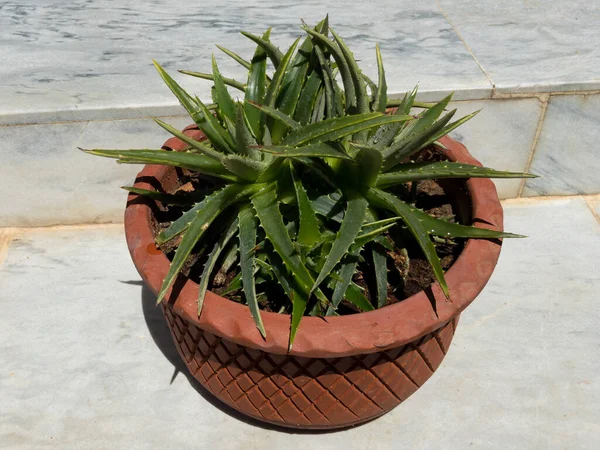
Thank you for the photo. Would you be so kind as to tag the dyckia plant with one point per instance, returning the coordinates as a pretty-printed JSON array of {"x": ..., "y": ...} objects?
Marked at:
[{"x": 308, "y": 173}]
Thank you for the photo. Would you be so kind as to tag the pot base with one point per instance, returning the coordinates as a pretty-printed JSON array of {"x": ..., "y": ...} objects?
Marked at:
[{"x": 309, "y": 393}]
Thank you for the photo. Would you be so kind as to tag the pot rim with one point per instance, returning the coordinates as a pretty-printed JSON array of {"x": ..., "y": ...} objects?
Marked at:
[{"x": 369, "y": 332}]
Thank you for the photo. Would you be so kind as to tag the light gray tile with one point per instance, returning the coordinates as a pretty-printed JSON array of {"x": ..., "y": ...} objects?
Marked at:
[
  {"x": 45, "y": 180},
  {"x": 566, "y": 156},
  {"x": 500, "y": 136},
  {"x": 81, "y": 60},
  {"x": 86, "y": 357},
  {"x": 532, "y": 45}
]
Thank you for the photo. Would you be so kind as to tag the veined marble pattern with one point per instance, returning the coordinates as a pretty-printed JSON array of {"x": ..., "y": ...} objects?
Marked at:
[
  {"x": 87, "y": 362},
  {"x": 45, "y": 180},
  {"x": 532, "y": 45},
  {"x": 567, "y": 155},
  {"x": 84, "y": 59},
  {"x": 500, "y": 136}
]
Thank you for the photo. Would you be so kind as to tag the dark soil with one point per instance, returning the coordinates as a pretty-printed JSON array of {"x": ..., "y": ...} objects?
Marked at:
[{"x": 408, "y": 274}]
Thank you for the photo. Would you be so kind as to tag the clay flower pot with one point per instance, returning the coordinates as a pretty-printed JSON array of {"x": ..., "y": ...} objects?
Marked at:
[{"x": 342, "y": 370}]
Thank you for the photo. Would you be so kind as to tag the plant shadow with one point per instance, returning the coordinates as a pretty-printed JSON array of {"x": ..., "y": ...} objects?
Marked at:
[{"x": 161, "y": 336}]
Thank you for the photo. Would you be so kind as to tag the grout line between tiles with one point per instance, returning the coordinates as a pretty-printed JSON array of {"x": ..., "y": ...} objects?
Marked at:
[
  {"x": 544, "y": 99},
  {"x": 6, "y": 236},
  {"x": 588, "y": 199},
  {"x": 487, "y": 75}
]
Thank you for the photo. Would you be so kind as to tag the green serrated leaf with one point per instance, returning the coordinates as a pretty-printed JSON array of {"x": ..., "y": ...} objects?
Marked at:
[
  {"x": 380, "y": 199},
  {"x": 351, "y": 225},
  {"x": 394, "y": 154},
  {"x": 386, "y": 134},
  {"x": 328, "y": 207},
  {"x": 186, "y": 100},
  {"x": 220, "y": 199},
  {"x": 345, "y": 273},
  {"x": 223, "y": 98},
  {"x": 430, "y": 115},
  {"x": 244, "y": 167},
  {"x": 328, "y": 80},
  {"x": 201, "y": 219},
  {"x": 272, "y": 171},
  {"x": 319, "y": 150},
  {"x": 272, "y": 52},
  {"x": 307, "y": 98},
  {"x": 404, "y": 173},
  {"x": 318, "y": 113},
  {"x": 408, "y": 101},
  {"x": 228, "y": 233},
  {"x": 234, "y": 285},
  {"x": 373, "y": 89},
  {"x": 243, "y": 137},
  {"x": 267, "y": 210},
  {"x": 237, "y": 58},
  {"x": 247, "y": 235},
  {"x": 201, "y": 147},
  {"x": 448, "y": 128},
  {"x": 299, "y": 301},
  {"x": 331, "y": 129},
  {"x": 379, "y": 256},
  {"x": 289, "y": 92},
  {"x": 275, "y": 86},
  {"x": 370, "y": 235},
  {"x": 308, "y": 233},
  {"x": 256, "y": 88},
  {"x": 442, "y": 228},
  {"x": 214, "y": 131},
  {"x": 342, "y": 63},
  {"x": 380, "y": 103},
  {"x": 368, "y": 160},
  {"x": 357, "y": 298},
  {"x": 208, "y": 76},
  {"x": 286, "y": 120},
  {"x": 362, "y": 102},
  {"x": 192, "y": 161},
  {"x": 229, "y": 258},
  {"x": 168, "y": 199},
  {"x": 281, "y": 274}
]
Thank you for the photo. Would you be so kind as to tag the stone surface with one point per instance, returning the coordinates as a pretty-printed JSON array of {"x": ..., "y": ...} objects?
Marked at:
[
  {"x": 566, "y": 156},
  {"x": 66, "y": 66},
  {"x": 45, "y": 180},
  {"x": 86, "y": 361},
  {"x": 532, "y": 45},
  {"x": 500, "y": 136}
]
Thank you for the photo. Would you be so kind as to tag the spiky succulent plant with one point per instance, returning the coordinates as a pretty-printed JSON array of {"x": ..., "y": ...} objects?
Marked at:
[{"x": 308, "y": 177}]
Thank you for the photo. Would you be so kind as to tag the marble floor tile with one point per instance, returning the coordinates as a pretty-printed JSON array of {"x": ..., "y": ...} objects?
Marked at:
[
  {"x": 92, "y": 60},
  {"x": 45, "y": 180},
  {"x": 87, "y": 362},
  {"x": 566, "y": 155},
  {"x": 532, "y": 45},
  {"x": 500, "y": 136}
]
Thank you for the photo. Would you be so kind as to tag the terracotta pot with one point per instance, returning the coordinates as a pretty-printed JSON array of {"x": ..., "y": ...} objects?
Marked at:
[{"x": 341, "y": 371}]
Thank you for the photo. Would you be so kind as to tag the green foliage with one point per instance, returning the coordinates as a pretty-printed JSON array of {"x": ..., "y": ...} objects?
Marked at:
[{"x": 309, "y": 178}]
